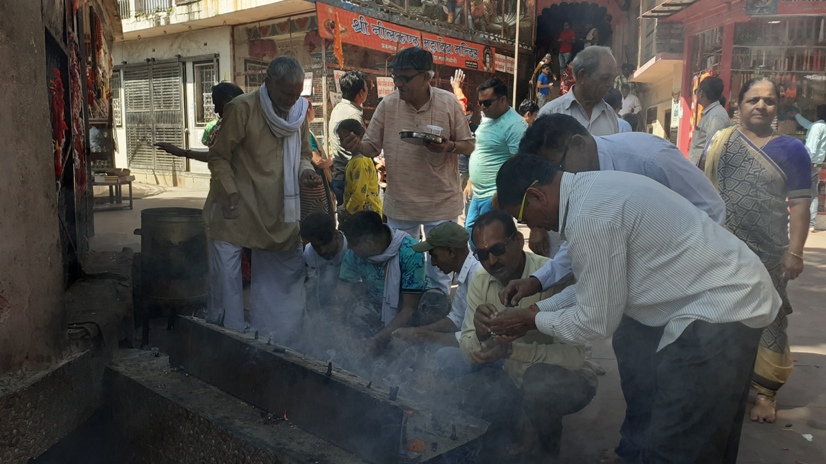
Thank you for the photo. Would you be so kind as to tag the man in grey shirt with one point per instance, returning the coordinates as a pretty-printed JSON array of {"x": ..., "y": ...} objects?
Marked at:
[
  {"x": 353, "y": 95},
  {"x": 595, "y": 70},
  {"x": 714, "y": 117}
]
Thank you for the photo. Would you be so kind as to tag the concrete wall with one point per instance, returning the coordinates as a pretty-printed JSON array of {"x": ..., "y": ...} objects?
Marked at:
[
  {"x": 659, "y": 94},
  {"x": 191, "y": 46},
  {"x": 31, "y": 280}
]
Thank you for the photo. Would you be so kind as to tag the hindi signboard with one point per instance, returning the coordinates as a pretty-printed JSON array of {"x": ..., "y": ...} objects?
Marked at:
[
  {"x": 384, "y": 86},
  {"x": 364, "y": 31},
  {"x": 458, "y": 53}
]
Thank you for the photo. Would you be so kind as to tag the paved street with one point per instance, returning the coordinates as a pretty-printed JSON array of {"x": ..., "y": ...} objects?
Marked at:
[{"x": 801, "y": 404}]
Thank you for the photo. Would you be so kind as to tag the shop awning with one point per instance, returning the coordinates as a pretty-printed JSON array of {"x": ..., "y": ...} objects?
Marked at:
[
  {"x": 667, "y": 8},
  {"x": 662, "y": 66}
]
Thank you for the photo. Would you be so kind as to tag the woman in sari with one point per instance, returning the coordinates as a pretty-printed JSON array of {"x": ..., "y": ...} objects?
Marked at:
[
  {"x": 764, "y": 177},
  {"x": 318, "y": 199}
]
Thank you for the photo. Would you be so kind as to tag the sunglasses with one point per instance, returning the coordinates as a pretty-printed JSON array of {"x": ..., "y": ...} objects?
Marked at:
[
  {"x": 487, "y": 103},
  {"x": 405, "y": 79},
  {"x": 496, "y": 250}
]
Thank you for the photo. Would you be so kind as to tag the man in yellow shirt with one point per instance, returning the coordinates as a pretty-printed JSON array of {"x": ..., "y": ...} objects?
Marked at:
[
  {"x": 535, "y": 374},
  {"x": 257, "y": 163}
]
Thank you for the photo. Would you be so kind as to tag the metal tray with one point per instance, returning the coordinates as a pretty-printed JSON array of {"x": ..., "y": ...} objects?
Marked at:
[{"x": 418, "y": 138}]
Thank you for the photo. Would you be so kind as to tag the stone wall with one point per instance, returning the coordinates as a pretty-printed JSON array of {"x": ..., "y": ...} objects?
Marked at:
[{"x": 31, "y": 283}]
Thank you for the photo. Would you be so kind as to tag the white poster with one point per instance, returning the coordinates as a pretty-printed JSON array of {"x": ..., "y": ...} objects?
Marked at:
[
  {"x": 500, "y": 63},
  {"x": 308, "y": 85},
  {"x": 337, "y": 77},
  {"x": 335, "y": 98},
  {"x": 510, "y": 67},
  {"x": 384, "y": 86}
]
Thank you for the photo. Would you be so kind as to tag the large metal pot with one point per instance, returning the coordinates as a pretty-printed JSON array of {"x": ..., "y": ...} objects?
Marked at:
[{"x": 173, "y": 260}]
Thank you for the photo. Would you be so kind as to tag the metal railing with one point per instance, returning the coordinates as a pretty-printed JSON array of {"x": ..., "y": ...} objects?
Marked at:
[
  {"x": 138, "y": 8},
  {"x": 125, "y": 9}
]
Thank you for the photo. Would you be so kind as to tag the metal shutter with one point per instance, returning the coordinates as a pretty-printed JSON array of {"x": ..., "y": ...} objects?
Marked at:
[{"x": 153, "y": 108}]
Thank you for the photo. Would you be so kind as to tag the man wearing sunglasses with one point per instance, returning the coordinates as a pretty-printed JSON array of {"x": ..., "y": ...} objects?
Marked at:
[
  {"x": 497, "y": 139},
  {"x": 684, "y": 298},
  {"x": 541, "y": 380},
  {"x": 422, "y": 180}
]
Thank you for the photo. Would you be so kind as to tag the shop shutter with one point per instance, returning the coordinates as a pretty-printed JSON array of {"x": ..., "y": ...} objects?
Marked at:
[
  {"x": 153, "y": 109},
  {"x": 138, "y": 117},
  {"x": 167, "y": 108}
]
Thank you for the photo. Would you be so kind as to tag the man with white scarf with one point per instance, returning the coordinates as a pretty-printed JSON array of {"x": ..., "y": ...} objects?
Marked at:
[
  {"x": 259, "y": 159},
  {"x": 382, "y": 269}
]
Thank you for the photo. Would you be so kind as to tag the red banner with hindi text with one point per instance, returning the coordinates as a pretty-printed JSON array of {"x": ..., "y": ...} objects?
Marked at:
[
  {"x": 458, "y": 53},
  {"x": 364, "y": 31}
]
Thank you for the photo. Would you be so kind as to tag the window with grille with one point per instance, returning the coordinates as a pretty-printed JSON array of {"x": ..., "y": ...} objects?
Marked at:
[
  {"x": 254, "y": 74},
  {"x": 205, "y": 78},
  {"x": 117, "y": 112}
]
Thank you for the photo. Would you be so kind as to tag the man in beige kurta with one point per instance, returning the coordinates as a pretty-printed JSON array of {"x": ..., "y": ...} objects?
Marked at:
[
  {"x": 422, "y": 180},
  {"x": 246, "y": 208}
]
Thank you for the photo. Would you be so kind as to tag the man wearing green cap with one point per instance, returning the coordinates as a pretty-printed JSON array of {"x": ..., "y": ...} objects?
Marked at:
[
  {"x": 447, "y": 244},
  {"x": 422, "y": 180}
]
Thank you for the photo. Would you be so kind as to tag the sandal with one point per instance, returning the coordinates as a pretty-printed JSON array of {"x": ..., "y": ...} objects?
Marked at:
[{"x": 764, "y": 409}]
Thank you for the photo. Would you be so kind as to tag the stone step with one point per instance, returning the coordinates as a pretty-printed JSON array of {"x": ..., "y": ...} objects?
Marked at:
[{"x": 163, "y": 415}]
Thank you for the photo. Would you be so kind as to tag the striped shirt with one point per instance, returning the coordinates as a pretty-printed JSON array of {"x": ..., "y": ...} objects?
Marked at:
[
  {"x": 659, "y": 160},
  {"x": 602, "y": 121},
  {"x": 642, "y": 250}
]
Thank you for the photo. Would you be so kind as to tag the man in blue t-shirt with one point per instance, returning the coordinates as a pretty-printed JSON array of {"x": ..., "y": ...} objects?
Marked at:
[
  {"x": 544, "y": 86},
  {"x": 381, "y": 279},
  {"x": 497, "y": 139}
]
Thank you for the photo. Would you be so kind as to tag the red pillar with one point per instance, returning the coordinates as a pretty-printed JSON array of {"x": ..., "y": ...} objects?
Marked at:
[{"x": 683, "y": 139}]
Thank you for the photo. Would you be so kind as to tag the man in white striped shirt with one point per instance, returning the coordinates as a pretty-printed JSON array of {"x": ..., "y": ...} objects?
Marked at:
[
  {"x": 565, "y": 142},
  {"x": 696, "y": 299}
]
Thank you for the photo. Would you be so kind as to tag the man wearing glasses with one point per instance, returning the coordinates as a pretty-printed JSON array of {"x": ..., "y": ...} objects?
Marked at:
[
  {"x": 684, "y": 299},
  {"x": 564, "y": 142},
  {"x": 497, "y": 139},
  {"x": 537, "y": 379},
  {"x": 422, "y": 180}
]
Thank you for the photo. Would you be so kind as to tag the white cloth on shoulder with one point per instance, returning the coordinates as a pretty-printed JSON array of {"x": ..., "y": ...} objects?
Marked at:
[{"x": 290, "y": 131}]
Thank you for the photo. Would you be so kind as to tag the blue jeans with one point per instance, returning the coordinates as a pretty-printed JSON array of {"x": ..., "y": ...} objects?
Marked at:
[
  {"x": 477, "y": 207},
  {"x": 564, "y": 59}
]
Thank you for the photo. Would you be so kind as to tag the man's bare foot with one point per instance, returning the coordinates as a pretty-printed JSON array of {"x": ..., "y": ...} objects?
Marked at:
[{"x": 764, "y": 409}]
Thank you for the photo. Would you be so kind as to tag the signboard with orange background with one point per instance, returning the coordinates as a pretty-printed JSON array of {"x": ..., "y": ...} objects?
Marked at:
[{"x": 364, "y": 31}]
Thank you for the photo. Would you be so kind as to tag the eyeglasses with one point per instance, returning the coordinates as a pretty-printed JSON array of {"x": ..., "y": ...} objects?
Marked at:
[
  {"x": 405, "y": 79},
  {"x": 487, "y": 103},
  {"x": 496, "y": 250},
  {"x": 522, "y": 208}
]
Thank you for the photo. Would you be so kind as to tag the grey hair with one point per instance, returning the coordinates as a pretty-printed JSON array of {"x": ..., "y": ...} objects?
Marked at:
[
  {"x": 286, "y": 70},
  {"x": 588, "y": 59}
]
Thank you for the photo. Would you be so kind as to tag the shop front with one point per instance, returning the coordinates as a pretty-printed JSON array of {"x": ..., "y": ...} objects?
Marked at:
[
  {"x": 783, "y": 40},
  {"x": 331, "y": 40}
]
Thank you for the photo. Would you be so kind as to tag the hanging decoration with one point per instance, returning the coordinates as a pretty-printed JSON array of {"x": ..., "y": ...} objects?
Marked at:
[
  {"x": 338, "y": 50},
  {"x": 77, "y": 100},
  {"x": 59, "y": 127}
]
